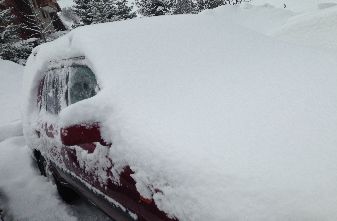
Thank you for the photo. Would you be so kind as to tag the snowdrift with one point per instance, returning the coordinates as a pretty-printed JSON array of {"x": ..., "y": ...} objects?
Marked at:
[
  {"x": 297, "y": 5},
  {"x": 26, "y": 194},
  {"x": 228, "y": 123},
  {"x": 316, "y": 29},
  {"x": 10, "y": 99},
  {"x": 11, "y": 81}
]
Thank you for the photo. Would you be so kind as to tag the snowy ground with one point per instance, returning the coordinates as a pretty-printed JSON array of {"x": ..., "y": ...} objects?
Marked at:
[{"x": 25, "y": 195}]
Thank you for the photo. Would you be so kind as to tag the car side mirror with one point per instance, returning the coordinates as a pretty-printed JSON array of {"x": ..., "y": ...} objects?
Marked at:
[{"x": 82, "y": 133}]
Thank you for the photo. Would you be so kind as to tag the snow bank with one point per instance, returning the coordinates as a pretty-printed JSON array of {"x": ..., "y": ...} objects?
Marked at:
[
  {"x": 10, "y": 99},
  {"x": 313, "y": 28},
  {"x": 27, "y": 194},
  {"x": 10, "y": 130},
  {"x": 316, "y": 29},
  {"x": 227, "y": 123},
  {"x": 10, "y": 91},
  {"x": 262, "y": 19},
  {"x": 297, "y": 5}
]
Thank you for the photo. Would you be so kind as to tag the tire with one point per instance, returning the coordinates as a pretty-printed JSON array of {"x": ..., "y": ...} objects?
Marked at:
[
  {"x": 41, "y": 162},
  {"x": 67, "y": 194}
]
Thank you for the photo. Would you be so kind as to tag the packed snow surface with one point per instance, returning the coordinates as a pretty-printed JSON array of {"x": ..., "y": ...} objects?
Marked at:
[{"x": 226, "y": 121}]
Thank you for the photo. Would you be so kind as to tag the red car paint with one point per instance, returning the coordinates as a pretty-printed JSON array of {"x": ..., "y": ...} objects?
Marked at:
[
  {"x": 81, "y": 134},
  {"x": 86, "y": 136}
]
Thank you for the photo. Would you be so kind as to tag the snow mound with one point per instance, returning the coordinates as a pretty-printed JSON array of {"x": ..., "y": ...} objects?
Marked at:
[
  {"x": 316, "y": 29},
  {"x": 228, "y": 123},
  {"x": 27, "y": 194},
  {"x": 10, "y": 91},
  {"x": 296, "y": 5},
  {"x": 11, "y": 130},
  {"x": 327, "y": 5},
  {"x": 262, "y": 19}
]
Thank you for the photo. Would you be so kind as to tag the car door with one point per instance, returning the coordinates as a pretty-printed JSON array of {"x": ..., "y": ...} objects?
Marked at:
[
  {"x": 86, "y": 162},
  {"x": 80, "y": 158},
  {"x": 90, "y": 161},
  {"x": 53, "y": 96},
  {"x": 51, "y": 99}
]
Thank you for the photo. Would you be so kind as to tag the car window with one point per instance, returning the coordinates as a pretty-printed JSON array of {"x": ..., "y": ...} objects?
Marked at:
[
  {"x": 82, "y": 84},
  {"x": 53, "y": 97}
]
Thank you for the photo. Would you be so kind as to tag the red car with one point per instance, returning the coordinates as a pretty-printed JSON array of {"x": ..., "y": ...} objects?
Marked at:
[
  {"x": 64, "y": 84},
  {"x": 188, "y": 117}
]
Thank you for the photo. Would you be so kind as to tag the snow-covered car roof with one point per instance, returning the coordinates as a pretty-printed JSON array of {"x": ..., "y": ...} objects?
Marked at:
[{"x": 227, "y": 123}]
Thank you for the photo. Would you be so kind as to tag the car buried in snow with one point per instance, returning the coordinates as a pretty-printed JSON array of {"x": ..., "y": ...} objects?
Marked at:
[
  {"x": 189, "y": 118},
  {"x": 64, "y": 83}
]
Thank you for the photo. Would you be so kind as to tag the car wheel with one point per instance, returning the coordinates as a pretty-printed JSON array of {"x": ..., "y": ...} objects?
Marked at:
[
  {"x": 41, "y": 162},
  {"x": 67, "y": 194}
]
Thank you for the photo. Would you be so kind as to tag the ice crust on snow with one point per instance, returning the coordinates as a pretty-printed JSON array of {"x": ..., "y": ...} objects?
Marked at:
[{"x": 227, "y": 122}]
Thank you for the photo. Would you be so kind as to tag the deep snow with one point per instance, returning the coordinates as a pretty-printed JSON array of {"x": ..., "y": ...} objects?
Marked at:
[
  {"x": 10, "y": 91},
  {"x": 30, "y": 196},
  {"x": 227, "y": 121},
  {"x": 311, "y": 29},
  {"x": 285, "y": 173},
  {"x": 10, "y": 99},
  {"x": 297, "y": 5}
]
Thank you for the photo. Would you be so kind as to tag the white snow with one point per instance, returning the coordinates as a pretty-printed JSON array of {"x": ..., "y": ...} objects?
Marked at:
[
  {"x": 30, "y": 196},
  {"x": 314, "y": 29},
  {"x": 262, "y": 18},
  {"x": 296, "y": 5},
  {"x": 10, "y": 99},
  {"x": 65, "y": 3},
  {"x": 228, "y": 122},
  {"x": 10, "y": 91},
  {"x": 10, "y": 130}
]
